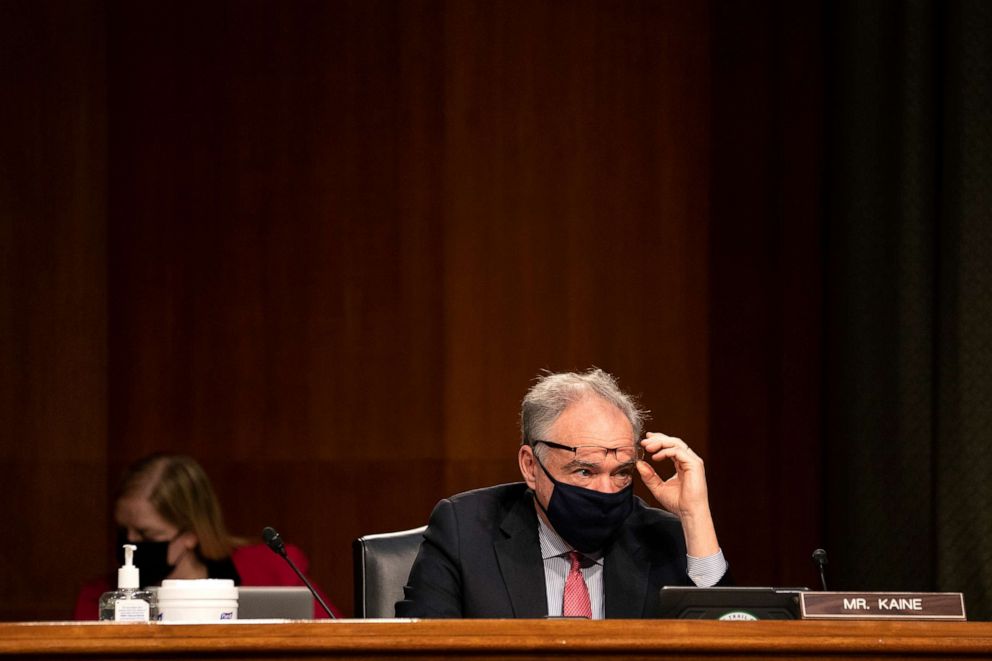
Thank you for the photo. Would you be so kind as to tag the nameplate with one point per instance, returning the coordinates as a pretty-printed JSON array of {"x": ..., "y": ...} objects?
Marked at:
[{"x": 881, "y": 606}]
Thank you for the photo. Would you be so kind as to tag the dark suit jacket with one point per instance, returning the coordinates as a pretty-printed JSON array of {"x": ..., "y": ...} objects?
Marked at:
[{"x": 481, "y": 557}]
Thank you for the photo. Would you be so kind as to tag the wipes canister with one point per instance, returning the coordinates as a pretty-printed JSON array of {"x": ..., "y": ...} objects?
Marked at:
[{"x": 203, "y": 600}]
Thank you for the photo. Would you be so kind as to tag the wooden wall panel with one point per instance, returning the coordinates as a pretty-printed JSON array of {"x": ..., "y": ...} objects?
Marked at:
[
  {"x": 53, "y": 405},
  {"x": 338, "y": 261},
  {"x": 274, "y": 267},
  {"x": 341, "y": 238},
  {"x": 765, "y": 289},
  {"x": 576, "y": 187}
]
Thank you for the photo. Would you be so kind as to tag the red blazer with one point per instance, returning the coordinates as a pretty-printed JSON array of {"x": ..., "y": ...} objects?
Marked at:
[{"x": 256, "y": 564}]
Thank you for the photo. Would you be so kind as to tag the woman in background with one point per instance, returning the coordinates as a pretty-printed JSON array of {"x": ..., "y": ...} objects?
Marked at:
[{"x": 167, "y": 508}]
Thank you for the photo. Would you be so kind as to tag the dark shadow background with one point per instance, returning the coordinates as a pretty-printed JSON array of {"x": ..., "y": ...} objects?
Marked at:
[{"x": 325, "y": 247}]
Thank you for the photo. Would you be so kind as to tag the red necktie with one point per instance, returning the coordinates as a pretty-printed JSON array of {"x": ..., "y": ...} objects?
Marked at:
[{"x": 576, "y": 599}]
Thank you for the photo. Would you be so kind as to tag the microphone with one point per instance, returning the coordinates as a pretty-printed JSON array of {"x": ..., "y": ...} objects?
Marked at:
[
  {"x": 274, "y": 541},
  {"x": 820, "y": 560}
]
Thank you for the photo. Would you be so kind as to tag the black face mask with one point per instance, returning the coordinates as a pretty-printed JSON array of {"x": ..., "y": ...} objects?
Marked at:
[
  {"x": 151, "y": 559},
  {"x": 585, "y": 518}
]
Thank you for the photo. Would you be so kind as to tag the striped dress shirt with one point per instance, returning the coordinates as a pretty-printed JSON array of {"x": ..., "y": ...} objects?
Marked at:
[{"x": 704, "y": 572}]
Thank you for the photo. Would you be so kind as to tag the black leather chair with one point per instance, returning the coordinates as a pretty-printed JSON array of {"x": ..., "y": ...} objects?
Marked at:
[{"x": 382, "y": 566}]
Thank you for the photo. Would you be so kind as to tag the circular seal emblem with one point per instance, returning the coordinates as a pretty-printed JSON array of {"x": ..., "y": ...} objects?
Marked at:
[{"x": 739, "y": 616}]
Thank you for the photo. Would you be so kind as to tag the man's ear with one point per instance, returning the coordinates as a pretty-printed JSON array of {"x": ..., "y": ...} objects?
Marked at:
[{"x": 528, "y": 465}]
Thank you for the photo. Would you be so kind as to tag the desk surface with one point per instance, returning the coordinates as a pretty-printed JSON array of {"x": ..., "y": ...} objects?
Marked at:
[{"x": 481, "y": 639}]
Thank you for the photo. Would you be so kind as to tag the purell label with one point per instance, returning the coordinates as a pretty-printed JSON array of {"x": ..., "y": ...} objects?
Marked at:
[{"x": 131, "y": 610}]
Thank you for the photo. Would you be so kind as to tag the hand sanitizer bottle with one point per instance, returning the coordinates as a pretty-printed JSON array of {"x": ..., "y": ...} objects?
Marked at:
[{"x": 128, "y": 603}]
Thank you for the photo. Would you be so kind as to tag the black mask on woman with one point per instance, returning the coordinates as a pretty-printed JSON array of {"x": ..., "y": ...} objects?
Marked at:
[
  {"x": 585, "y": 518},
  {"x": 151, "y": 559}
]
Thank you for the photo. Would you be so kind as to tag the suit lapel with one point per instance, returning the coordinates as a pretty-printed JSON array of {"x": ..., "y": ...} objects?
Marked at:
[
  {"x": 626, "y": 580},
  {"x": 519, "y": 557}
]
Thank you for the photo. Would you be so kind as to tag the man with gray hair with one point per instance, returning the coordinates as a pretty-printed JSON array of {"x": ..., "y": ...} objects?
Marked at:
[{"x": 571, "y": 539}]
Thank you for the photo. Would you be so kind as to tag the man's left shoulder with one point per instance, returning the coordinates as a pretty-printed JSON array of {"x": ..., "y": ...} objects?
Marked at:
[
  {"x": 654, "y": 525},
  {"x": 644, "y": 513}
]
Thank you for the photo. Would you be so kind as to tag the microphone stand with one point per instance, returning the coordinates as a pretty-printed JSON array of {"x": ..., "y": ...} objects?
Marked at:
[{"x": 274, "y": 542}]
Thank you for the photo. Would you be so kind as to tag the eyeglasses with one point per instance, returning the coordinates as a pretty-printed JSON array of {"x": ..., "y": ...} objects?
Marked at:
[{"x": 595, "y": 454}]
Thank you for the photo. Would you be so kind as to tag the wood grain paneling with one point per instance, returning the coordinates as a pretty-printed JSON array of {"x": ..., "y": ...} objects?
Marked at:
[
  {"x": 342, "y": 238},
  {"x": 500, "y": 639},
  {"x": 53, "y": 404},
  {"x": 765, "y": 295},
  {"x": 575, "y": 213},
  {"x": 338, "y": 260}
]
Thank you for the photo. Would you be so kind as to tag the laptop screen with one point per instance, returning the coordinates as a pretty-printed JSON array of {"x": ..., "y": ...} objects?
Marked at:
[{"x": 748, "y": 603}]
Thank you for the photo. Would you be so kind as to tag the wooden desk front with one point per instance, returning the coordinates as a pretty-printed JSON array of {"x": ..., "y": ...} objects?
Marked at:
[{"x": 491, "y": 639}]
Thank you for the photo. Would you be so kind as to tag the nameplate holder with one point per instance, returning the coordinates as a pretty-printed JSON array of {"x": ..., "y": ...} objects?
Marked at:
[{"x": 882, "y": 606}]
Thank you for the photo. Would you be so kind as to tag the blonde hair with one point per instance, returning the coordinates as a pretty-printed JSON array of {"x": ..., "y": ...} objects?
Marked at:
[{"x": 180, "y": 491}]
